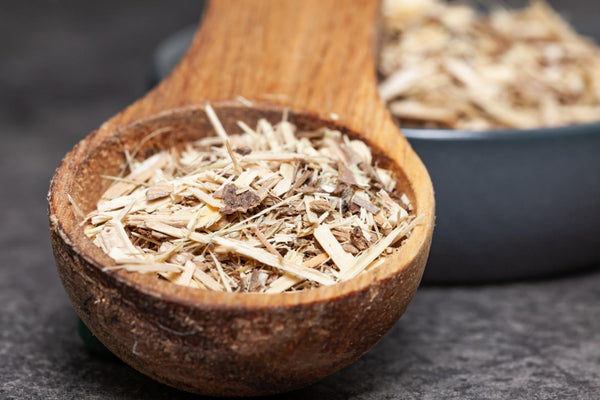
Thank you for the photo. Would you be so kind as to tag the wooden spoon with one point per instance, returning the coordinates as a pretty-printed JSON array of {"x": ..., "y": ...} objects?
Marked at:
[{"x": 316, "y": 58}]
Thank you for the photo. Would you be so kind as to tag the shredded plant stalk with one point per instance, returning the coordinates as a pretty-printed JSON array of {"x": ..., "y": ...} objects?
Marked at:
[
  {"x": 263, "y": 210},
  {"x": 446, "y": 66}
]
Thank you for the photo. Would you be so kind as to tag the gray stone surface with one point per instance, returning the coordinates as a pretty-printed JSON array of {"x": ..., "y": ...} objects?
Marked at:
[{"x": 67, "y": 66}]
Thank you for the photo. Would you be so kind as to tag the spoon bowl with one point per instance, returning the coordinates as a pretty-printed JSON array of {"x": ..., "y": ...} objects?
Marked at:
[{"x": 237, "y": 344}]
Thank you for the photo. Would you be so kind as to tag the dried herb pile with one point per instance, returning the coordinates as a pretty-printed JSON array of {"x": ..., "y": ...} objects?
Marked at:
[
  {"x": 445, "y": 66},
  {"x": 267, "y": 210}
]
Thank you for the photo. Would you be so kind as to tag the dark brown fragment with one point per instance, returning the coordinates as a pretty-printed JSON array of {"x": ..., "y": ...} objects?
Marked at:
[
  {"x": 243, "y": 150},
  {"x": 272, "y": 278},
  {"x": 353, "y": 208},
  {"x": 367, "y": 205},
  {"x": 254, "y": 283},
  {"x": 270, "y": 201},
  {"x": 234, "y": 202},
  {"x": 358, "y": 239},
  {"x": 310, "y": 135},
  {"x": 339, "y": 189},
  {"x": 349, "y": 248},
  {"x": 289, "y": 210},
  {"x": 320, "y": 206},
  {"x": 299, "y": 182},
  {"x": 346, "y": 196},
  {"x": 341, "y": 236}
]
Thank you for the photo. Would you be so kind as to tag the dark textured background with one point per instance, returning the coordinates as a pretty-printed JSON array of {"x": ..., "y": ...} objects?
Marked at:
[{"x": 66, "y": 66}]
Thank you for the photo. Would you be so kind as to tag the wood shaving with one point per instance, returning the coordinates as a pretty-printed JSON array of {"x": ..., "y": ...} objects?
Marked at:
[
  {"x": 261, "y": 210},
  {"x": 158, "y": 192},
  {"x": 446, "y": 66}
]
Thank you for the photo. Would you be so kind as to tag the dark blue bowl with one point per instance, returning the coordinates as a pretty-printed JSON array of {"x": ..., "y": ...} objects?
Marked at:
[{"x": 511, "y": 204}]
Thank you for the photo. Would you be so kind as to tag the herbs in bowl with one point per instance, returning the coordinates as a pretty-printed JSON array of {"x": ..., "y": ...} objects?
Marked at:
[{"x": 446, "y": 65}]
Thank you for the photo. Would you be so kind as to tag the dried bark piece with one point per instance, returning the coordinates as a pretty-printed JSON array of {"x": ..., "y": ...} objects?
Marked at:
[
  {"x": 349, "y": 248},
  {"x": 364, "y": 203},
  {"x": 243, "y": 150},
  {"x": 233, "y": 202},
  {"x": 358, "y": 239},
  {"x": 320, "y": 206},
  {"x": 312, "y": 217},
  {"x": 299, "y": 181},
  {"x": 254, "y": 282},
  {"x": 341, "y": 236}
]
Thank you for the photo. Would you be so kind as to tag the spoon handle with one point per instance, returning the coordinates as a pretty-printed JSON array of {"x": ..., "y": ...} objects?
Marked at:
[
  {"x": 309, "y": 54},
  {"x": 316, "y": 56}
]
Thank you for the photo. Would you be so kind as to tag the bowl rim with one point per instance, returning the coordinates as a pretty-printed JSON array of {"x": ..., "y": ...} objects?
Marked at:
[{"x": 501, "y": 134}]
